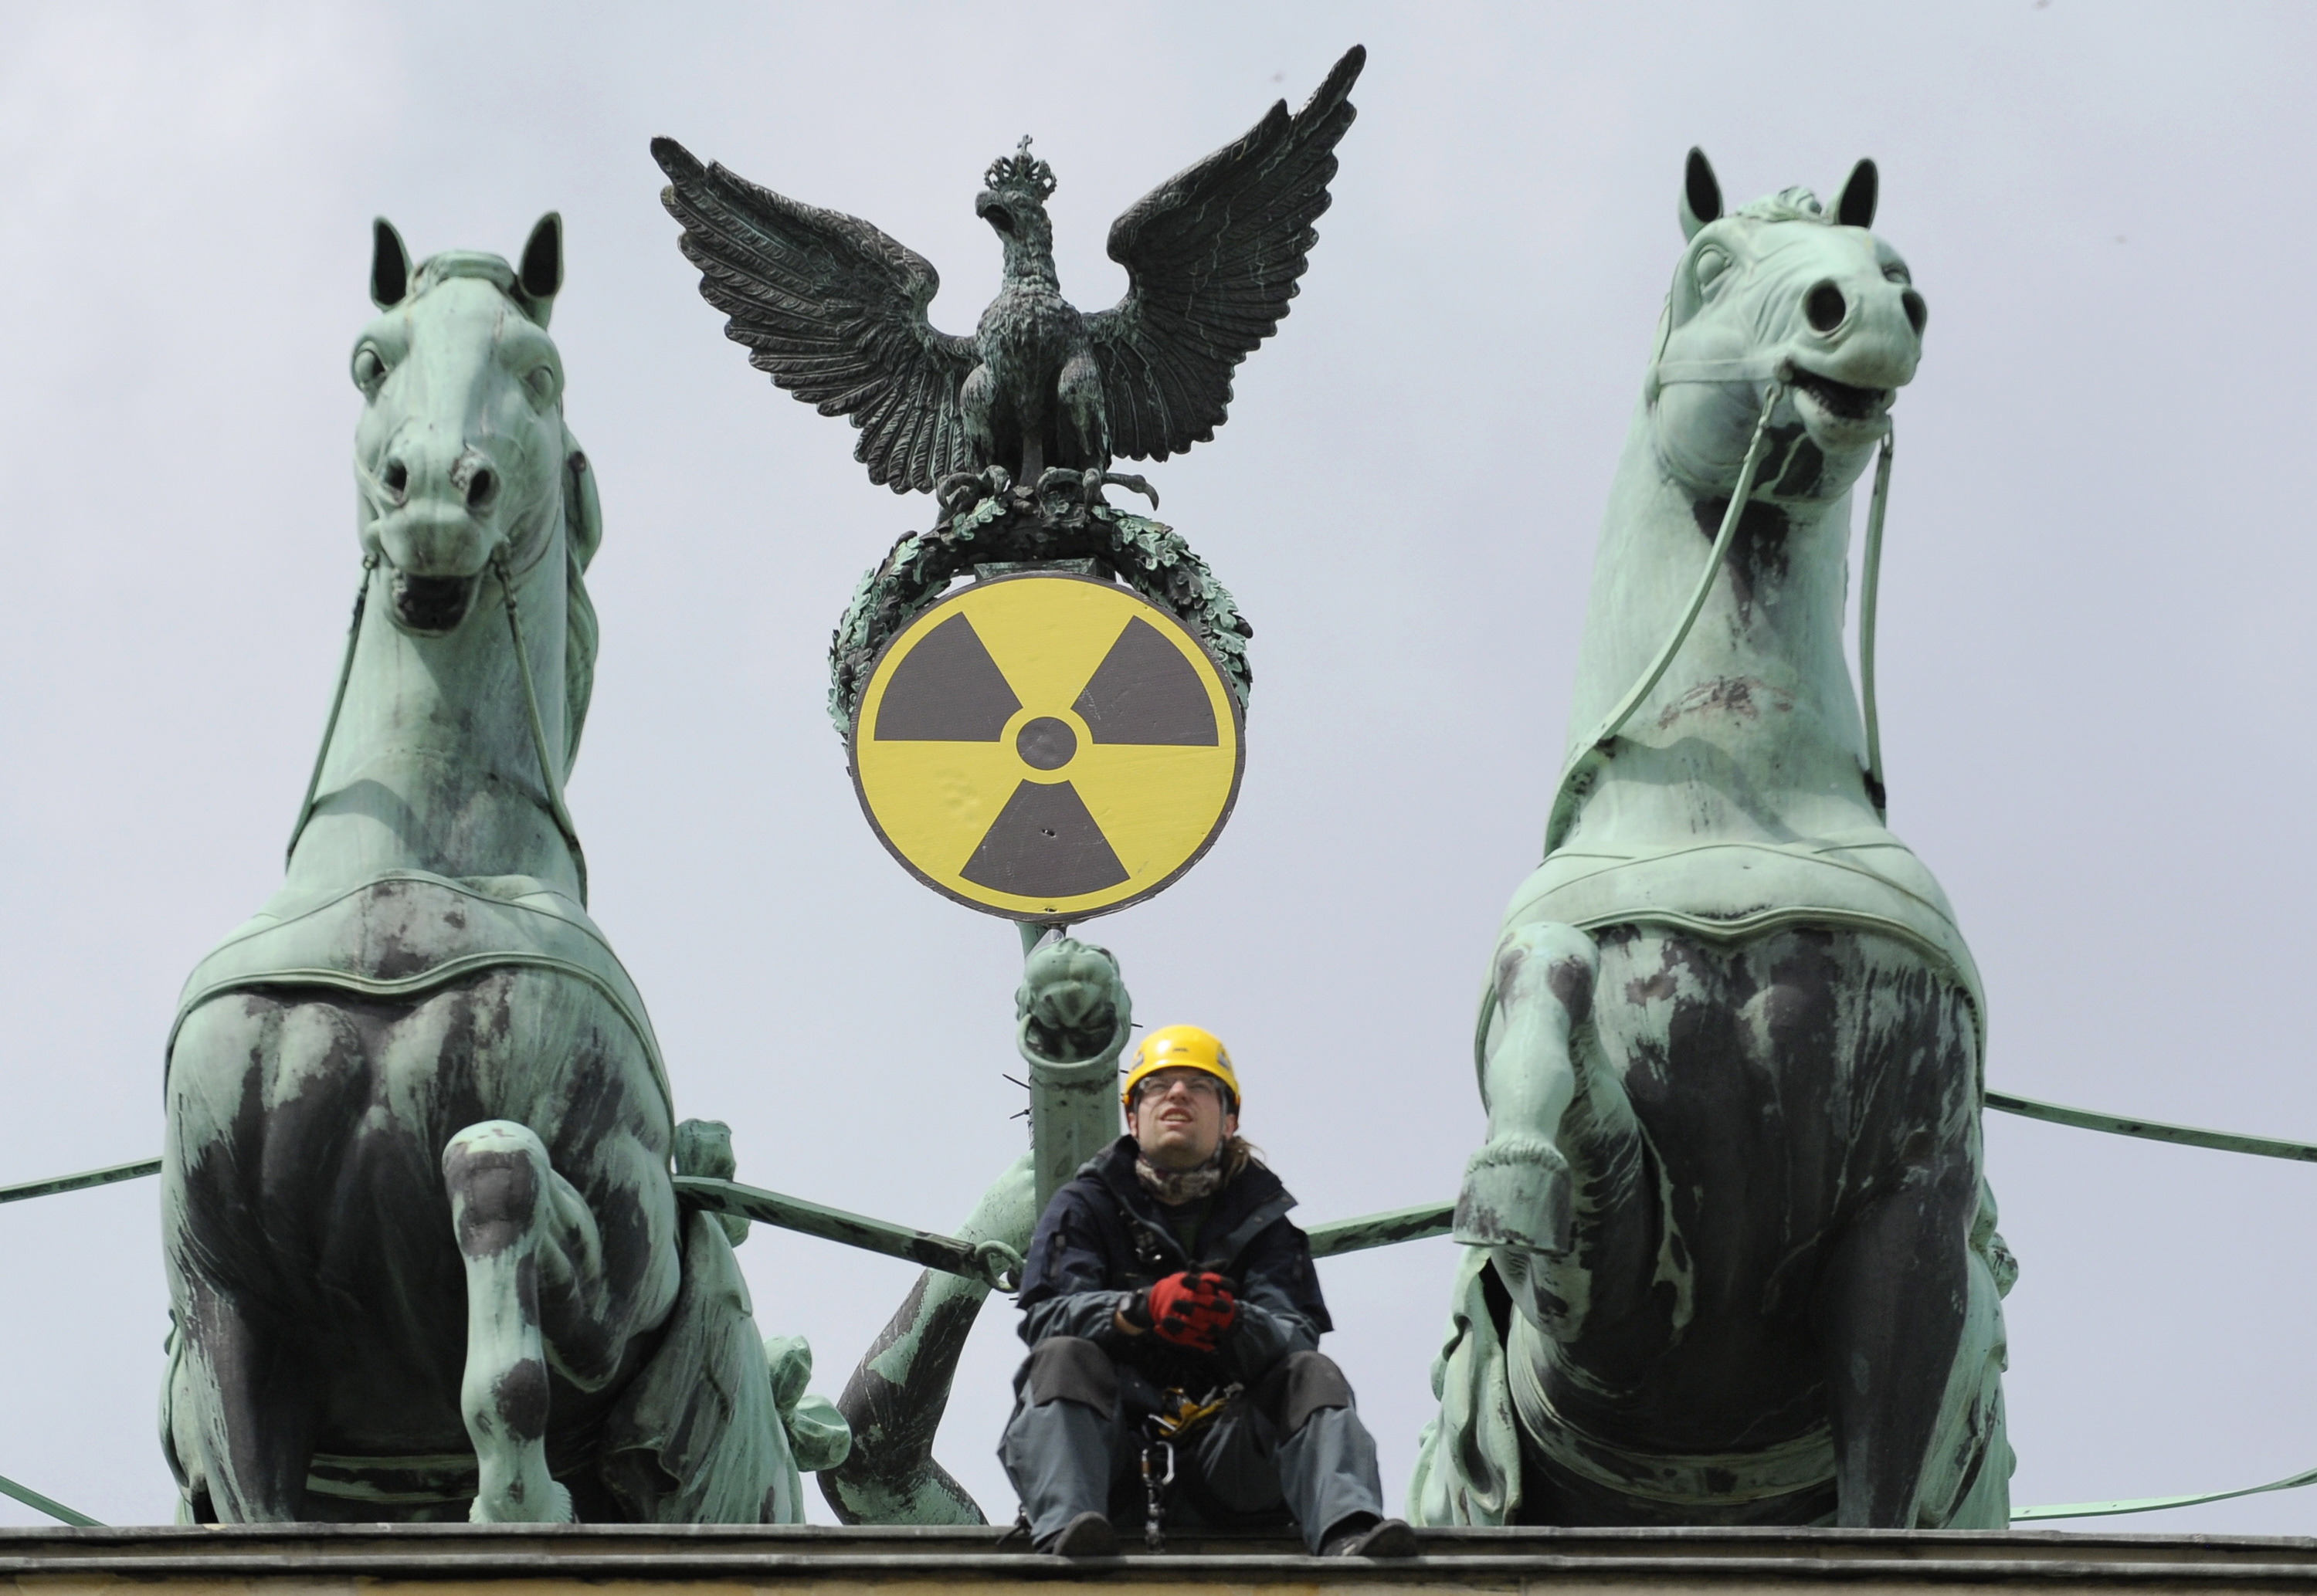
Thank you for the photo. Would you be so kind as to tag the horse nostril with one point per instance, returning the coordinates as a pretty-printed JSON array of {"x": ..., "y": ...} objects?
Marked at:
[
  {"x": 482, "y": 487},
  {"x": 1826, "y": 308},
  {"x": 396, "y": 477},
  {"x": 1918, "y": 313}
]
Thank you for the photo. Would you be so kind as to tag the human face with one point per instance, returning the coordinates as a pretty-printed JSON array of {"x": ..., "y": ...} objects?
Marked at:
[{"x": 1179, "y": 1117}]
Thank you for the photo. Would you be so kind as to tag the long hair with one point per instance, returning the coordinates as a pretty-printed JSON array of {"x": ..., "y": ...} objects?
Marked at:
[{"x": 1238, "y": 1152}]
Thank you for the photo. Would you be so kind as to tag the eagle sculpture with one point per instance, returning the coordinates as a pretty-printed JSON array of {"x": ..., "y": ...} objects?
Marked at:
[{"x": 835, "y": 311}]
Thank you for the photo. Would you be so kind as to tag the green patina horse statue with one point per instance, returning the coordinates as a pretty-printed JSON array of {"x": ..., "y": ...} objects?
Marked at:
[
  {"x": 1731, "y": 1258},
  {"x": 424, "y": 1255}
]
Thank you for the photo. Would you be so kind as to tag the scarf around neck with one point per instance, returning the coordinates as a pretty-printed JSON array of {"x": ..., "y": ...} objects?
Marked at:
[{"x": 1176, "y": 1187}]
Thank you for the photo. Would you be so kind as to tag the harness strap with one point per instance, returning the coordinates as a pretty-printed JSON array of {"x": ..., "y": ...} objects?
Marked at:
[
  {"x": 548, "y": 775},
  {"x": 1752, "y": 368},
  {"x": 337, "y": 702}
]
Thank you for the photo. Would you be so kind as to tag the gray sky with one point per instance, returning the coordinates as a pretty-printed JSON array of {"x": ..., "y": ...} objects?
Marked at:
[{"x": 2097, "y": 659}]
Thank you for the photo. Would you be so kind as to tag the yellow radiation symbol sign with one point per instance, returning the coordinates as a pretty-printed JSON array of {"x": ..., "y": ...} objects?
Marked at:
[{"x": 1046, "y": 747}]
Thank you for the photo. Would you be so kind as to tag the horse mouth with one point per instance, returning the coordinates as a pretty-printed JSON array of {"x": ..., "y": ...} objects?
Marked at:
[
  {"x": 431, "y": 605},
  {"x": 1841, "y": 398}
]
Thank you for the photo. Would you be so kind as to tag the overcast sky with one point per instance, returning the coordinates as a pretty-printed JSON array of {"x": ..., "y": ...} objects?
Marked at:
[{"x": 2096, "y": 655}]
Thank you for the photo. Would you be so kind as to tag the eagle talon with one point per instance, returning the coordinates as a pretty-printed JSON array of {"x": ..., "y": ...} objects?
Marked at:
[
  {"x": 1060, "y": 489},
  {"x": 960, "y": 492},
  {"x": 1132, "y": 484}
]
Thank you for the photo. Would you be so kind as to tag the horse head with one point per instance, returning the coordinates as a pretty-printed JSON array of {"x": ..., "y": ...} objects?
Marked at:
[
  {"x": 1784, "y": 290},
  {"x": 462, "y": 456}
]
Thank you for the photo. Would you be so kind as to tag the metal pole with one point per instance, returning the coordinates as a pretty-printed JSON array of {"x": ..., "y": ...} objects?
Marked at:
[{"x": 1073, "y": 1107}]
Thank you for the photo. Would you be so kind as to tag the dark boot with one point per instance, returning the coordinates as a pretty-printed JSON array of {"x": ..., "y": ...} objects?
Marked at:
[
  {"x": 1363, "y": 1534},
  {"x": 1090, "y": 1535}
]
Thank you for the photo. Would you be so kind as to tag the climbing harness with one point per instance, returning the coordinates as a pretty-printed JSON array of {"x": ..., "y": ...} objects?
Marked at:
[
  {"x": 1184, "y": 1415},
  {"x": 1181, "y": 1417},
  {"x": 1154, "y": 1493}
]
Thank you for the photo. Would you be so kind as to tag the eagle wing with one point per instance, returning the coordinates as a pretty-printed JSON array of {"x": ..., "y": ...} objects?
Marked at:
[
  {"x": 832, "y": 311},
  {"x": 1212, "y": 258}
]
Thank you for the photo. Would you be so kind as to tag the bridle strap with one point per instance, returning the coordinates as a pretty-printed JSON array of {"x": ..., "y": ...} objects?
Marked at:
[
  {"x": 1614, "y": 721},
  {"x": 1752, "y": 368},
  {"x": 1728, "y": 534},
  {"x": 549, "y": 776},
  {"x": 337, "y": 702}
]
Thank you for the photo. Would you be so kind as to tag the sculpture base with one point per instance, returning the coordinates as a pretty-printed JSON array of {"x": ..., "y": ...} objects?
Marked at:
[{"x": 515, "y": 1560}]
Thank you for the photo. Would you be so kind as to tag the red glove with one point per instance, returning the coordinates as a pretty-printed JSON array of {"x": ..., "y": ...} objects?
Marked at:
[{"x": 1192, "y": 1310}]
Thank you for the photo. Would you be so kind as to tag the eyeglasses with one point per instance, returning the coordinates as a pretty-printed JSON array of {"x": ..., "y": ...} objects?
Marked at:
[{"x": 1162, "y": 1084}]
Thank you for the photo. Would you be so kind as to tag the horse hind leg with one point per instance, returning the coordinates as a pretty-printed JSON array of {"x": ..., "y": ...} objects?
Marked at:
[
  {"x": 501, "y": 1188},
  {"x": 239, "y": 1407},
  {"x": 1893, "y": 1307}
]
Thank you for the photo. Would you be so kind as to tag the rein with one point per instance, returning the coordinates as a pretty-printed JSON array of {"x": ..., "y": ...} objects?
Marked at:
[
  {"x": 337, "y": 702},
  {"x": 547, "y": 774},
  {"x": 1779, "y": 374}
]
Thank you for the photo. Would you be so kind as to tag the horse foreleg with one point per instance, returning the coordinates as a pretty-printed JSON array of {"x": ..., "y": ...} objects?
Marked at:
[
  {"x": 502, "y": 1192},
  {"x": 1891, "y": 1307},
  {"x": 1557, "y": 1191}
]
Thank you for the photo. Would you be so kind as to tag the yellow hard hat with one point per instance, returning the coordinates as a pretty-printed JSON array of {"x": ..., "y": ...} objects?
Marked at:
[{"x": 1180, "y": 1047}]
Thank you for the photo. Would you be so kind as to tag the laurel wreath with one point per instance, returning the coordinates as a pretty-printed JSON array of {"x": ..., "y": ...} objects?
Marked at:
[{"x": 1009, "y": 529}]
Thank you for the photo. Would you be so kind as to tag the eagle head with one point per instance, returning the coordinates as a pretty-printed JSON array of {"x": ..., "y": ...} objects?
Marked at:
[{"x": 1014, "y": 201}]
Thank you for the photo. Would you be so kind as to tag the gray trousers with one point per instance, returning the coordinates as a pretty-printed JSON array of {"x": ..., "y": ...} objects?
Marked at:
[{"x": 1291, "y": 1439}]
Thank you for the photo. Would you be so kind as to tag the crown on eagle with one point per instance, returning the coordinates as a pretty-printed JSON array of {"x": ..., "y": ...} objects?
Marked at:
[{"x": 1018, "y": 171}]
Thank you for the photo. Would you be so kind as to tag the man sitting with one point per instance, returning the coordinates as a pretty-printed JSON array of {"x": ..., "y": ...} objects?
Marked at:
[{"x": 1166, "y": 1279}]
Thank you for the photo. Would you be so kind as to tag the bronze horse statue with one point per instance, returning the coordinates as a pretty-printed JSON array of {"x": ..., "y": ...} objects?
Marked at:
[
  {"x": 424, "y": 1254},
  {"x": 1732, "y": 1256}
]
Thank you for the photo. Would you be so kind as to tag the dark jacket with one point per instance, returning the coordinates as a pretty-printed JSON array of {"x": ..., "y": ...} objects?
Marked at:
[{"x": 1105, "y": 1237}]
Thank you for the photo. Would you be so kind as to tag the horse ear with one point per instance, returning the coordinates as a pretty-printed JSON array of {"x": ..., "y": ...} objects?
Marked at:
[
  {"x": 1701, "y": 195},
  {"x": 542, "y": 259},
  {"x": 1854, "y": 206},
  {"x": 389, "y": 265}
]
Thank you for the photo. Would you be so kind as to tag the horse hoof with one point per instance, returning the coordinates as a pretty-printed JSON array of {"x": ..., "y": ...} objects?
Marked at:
[
  {"x": 509, "y": 1509},
  {"x": 1517, "y": 1193}
]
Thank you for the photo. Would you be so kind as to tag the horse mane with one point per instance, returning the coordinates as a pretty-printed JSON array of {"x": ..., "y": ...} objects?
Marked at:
[
  {"x": 583, "y": 533},
  {"x": 492, "y": 269},
  {"x": 1788, "y": 205}
]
